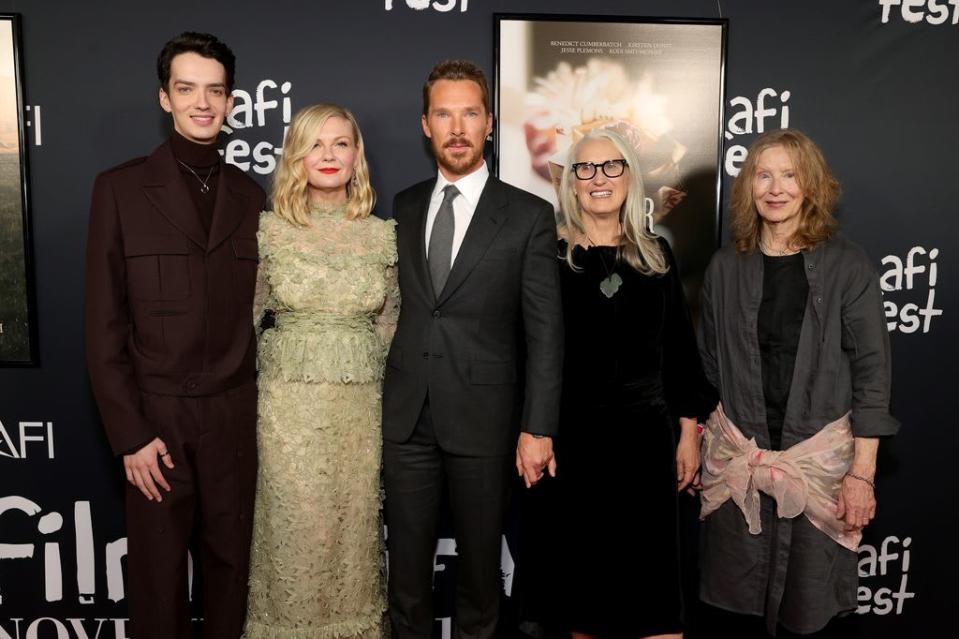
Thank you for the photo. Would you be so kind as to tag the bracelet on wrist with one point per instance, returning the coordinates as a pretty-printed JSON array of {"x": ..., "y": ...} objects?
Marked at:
[{"x": 861, "y": 478}]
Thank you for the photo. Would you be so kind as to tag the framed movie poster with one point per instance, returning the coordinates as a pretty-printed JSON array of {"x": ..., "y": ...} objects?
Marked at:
[
  {"x": 18, "y": 334},
  {"x": 658, "y": 82}
]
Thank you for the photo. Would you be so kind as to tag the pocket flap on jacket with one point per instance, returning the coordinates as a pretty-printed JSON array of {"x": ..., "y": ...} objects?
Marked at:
[
  {"x": 136, "y": 245},
  {"x": 244, "y": 248},
  {"x": 492, "y": 372}
]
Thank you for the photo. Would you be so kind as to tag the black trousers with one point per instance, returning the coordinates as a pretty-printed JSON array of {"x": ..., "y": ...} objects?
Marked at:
[
  {"x": 415, "y": 473},
  {"x": 212, "y": 441}
]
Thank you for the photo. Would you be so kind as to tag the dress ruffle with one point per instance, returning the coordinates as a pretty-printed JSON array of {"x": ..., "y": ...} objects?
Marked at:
[{"x": 321, "y": 347}]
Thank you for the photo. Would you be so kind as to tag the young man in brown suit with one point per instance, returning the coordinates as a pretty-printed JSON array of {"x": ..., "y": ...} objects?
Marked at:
[{"x": 170, "y": 271}]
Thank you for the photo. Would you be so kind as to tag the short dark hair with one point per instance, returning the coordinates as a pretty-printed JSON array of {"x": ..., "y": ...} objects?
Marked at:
[
  {"x": 456, "y": 70},
  {"x": 203, "y": 44}
]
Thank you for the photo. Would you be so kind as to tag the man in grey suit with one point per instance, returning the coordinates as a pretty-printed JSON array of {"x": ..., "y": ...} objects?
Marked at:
[{"x": 477, "y": 356}]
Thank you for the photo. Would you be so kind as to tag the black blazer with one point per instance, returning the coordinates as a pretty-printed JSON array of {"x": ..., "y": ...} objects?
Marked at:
[
  {"x": 168, "y": 308},
  {"x": 489, "y": 351}
]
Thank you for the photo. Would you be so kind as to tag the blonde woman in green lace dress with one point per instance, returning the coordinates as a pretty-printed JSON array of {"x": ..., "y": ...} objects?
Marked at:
[{"x": 327, "y": 271}]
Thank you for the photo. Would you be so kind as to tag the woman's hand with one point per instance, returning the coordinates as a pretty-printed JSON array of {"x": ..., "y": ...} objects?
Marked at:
[
  {"x": 857, "y": 496},
  {"x": 687, "y": 456},
  {"x": 857, "y": 503}
]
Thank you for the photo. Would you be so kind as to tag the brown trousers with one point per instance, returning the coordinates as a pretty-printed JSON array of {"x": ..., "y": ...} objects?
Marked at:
[{"x": 212, "y": 441}]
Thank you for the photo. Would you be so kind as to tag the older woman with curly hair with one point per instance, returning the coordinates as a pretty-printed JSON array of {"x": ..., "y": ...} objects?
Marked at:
[
  {"x": 794, "y": 338},
  {"x": 327, "y": 271}
]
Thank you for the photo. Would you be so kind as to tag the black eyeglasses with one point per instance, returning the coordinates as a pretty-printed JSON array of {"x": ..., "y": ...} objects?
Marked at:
[{"x": 611, "y": 168}]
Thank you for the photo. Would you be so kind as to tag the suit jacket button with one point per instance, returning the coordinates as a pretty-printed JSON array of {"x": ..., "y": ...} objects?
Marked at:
[
  {"x": 436, "y": 313},
  {"x": 426, "y": 355}
]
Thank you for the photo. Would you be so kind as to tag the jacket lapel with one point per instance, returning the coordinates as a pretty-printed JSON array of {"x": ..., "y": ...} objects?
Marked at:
[
  {"x": 416, "y": 241},
  {"x": 488, "y": 219},
  {"x": 167, "y": 192},
  {"x": 228, "y": 210}
]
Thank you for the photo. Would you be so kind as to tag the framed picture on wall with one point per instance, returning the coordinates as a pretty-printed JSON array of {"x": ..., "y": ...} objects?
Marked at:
[
  {"x": 658, "y": 82},
  {"x": 18, "y": 330}
]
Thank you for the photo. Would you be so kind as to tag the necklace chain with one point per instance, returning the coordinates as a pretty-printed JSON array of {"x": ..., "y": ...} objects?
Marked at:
[
  {"x": 609, "y": 272},
  {"x": 783, "y": 252},
  {"x": 204, "y": 187}
]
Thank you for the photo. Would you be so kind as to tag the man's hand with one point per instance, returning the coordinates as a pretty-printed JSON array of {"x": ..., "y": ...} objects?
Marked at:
[
  {"x": 143, "y": 471},
  {"x": 533, "y": 456}
]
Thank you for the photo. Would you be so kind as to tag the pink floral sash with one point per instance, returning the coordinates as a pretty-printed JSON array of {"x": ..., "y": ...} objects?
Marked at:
[{"x": 803, "y": 479}]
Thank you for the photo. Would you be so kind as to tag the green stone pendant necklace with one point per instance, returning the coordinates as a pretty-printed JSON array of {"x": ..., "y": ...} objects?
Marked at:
[{"x": 611, "y": 283}]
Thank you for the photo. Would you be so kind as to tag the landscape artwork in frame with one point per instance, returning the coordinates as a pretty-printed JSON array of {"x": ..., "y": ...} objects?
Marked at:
[{"x": 18, "y": 341}]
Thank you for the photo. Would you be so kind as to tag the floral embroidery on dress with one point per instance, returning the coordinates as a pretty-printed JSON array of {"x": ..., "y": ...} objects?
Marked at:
[{"x": 317, "y": 557}]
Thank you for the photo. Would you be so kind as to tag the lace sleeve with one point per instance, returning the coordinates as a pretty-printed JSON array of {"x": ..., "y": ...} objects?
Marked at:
[
  {"x": 263, "y": 295},
  {"x": 263, "y": 299},
  {"x": 385, "y": 321},
  {"x": 388, "y": 315}
]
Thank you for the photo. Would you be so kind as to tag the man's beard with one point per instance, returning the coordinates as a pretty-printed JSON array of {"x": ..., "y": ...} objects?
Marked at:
[{"x": 459, "y": 164}]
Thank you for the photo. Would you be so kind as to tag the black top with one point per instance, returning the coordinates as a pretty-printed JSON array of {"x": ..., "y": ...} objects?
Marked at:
[
  {"x": 203, "y": 161},
  {"x": 785, "y": 290},
  {"x": 642, "y": 333}
]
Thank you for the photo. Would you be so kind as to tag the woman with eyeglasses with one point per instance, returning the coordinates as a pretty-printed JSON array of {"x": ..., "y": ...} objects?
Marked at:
[{"x": 633, "y": 389}]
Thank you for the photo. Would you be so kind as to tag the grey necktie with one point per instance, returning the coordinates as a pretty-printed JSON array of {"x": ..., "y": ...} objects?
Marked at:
[{"x": 441, "y": 240}]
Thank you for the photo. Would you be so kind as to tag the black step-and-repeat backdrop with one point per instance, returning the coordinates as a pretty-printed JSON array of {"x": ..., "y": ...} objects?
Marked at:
[{"x": 876, "y": 82}]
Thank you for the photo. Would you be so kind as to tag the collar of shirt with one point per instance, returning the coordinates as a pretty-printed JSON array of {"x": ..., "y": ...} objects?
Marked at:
[{"x": 470, "y": 186}]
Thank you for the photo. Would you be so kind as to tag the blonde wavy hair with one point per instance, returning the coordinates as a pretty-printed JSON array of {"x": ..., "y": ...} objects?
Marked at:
[
  {"x": 819, "y": 187},
  {"x": 291, "y": 189},
  {"x": 637, "y": 245}
]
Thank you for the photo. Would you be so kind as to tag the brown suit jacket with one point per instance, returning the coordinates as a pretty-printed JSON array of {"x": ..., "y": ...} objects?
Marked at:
[{"x": 168, "y": 308}]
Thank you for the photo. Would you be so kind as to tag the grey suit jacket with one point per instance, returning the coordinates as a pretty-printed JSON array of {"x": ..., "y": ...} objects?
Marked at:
[{"x": 489, "y": 350}]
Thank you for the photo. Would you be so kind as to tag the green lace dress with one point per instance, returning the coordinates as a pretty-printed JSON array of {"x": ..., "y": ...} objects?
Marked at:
[{"x": 317, "y": 557}]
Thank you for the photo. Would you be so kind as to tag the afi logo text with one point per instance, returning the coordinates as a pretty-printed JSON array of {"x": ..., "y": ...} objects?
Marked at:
[
  {"x": 439, "y": 5},
  {"x": 35, "y": 433},
  {"x": 915, "y": 11},
  {"x": 250, "y": 110},
  {"x": 891, "y": 569},
  {"x": 750, "y": 116},
  {"x": 909, "y": 288}
]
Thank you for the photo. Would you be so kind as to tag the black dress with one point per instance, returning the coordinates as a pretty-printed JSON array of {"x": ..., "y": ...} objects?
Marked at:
[{"x": 603, "y": 534}]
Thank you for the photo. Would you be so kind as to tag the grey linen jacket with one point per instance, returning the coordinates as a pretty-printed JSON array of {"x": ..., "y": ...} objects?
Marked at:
[{"x": 791, "y": 572}]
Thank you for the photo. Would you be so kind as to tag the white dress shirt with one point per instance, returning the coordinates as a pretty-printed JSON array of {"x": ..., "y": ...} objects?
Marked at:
[{"x": 470, "y": 188}]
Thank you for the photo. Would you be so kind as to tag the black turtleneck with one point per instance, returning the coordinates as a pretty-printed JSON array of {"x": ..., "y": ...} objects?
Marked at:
[{"x": 204, "y": 160}]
